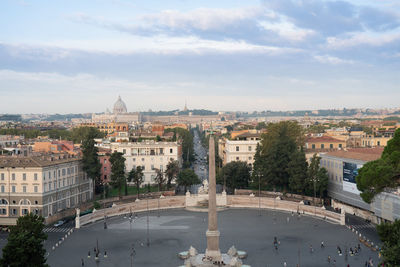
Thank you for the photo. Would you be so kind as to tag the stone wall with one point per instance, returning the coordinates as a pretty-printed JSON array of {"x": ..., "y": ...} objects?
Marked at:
[
  {"x": 290, "y": 206},
  {"x": 138, "y": 206}
]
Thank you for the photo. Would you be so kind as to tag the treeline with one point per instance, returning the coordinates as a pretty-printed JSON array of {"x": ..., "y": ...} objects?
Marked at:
[
  {"x": 187, "y": 144},
  {"x": 77, "y": 135}
]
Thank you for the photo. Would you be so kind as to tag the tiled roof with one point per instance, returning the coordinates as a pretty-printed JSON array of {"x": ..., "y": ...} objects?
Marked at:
[
  {"x": 363, "y": 154},
  {"x": 35, "y": 161}
]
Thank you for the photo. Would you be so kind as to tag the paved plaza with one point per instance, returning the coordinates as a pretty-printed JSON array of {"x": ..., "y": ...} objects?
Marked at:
[{"x": 176, "y": 230}]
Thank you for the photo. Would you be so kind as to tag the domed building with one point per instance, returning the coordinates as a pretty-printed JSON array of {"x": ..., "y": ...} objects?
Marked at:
[
  {"x": 119, "y": 114},
  {"x": 119, "y": 106}
]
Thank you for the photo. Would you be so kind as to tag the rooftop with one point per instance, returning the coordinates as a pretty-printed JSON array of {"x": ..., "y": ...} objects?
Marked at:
[
  {"x": 363, "y": 154},
  {"x": 35, "y": 161}
]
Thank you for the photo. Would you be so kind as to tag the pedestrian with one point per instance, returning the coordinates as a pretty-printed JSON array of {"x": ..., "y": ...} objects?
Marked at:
[
  {"x": 311, "y": 249},
  {"x": 322, "y": 244},
  {"x": 105, "y": 254},
  {"x": 334, "y": 262},
  {"x": 329, "y": 259},
  {"x": 287, "y": 219},
  {"x": 284, "y": 264},
  {"x": 83, "y": 263}
]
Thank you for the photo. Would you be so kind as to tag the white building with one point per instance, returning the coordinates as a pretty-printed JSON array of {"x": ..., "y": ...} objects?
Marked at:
[
  {"x": 241, "y": 149},
  {"x": 120, "y": 114},
  {"x": 42, "y": 185},
  {"x": 150, "y": 155}
]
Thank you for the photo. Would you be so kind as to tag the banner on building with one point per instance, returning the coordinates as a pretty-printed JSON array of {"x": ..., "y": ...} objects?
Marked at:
[{"x": 350, "y": 171}]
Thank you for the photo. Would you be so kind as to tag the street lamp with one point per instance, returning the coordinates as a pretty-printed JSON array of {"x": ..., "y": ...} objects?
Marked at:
[
  {"x": 105, "y": 223},
  {"x": 259, "y": 195},
  {"x": 147, "y": 203}
]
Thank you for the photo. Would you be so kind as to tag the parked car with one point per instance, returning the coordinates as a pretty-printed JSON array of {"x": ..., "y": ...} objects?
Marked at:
[{"x": 59, "y": 223}]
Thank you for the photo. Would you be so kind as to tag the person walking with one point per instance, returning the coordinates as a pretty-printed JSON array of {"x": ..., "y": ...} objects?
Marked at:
[{"x": 83, "y": 263}]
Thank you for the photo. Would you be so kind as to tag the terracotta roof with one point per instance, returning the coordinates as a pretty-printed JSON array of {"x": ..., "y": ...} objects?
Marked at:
[
  {"x": 35, "y": 161},
  {"x": 363, "y": 154},
  {"x": 323, "y": 139}
]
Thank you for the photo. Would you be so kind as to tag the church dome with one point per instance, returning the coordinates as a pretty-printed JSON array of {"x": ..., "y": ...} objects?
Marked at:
[{"x": 119, "y": 106}]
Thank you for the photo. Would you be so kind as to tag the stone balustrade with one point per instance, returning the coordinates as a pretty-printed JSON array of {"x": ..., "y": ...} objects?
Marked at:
[
  {"x": 230, "y": 201},
  {"x": 137, "y": 206}
]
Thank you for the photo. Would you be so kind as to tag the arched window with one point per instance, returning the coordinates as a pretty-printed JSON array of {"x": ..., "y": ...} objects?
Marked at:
[
  {"x": 24, "y": 202},
  {"x": 3, "y": 201}
]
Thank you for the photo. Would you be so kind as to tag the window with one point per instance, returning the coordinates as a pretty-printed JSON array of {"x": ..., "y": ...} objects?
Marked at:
[
  {"x": 24, "y": 176},
  {"x": 124, "y": 151},
  {"x": 237, "y": 148},
  {"x": 249, "y": 148},
  {"x": 2, "y": 189},
  {"x": 105, "y": 169},
  {"x": 322, "y": 146},
  {"x": 36, "y": 202},
  {"x": 49, "y": 186},
  {"x": 249, "y": 158},
  {"x": 13, "y": 176},
  {"x": 171, "y": 150},
  {"x": 24, "y": 211},
  {"x": 59, "y": 173},
  {"x": 237, "y": 158},
  {"x": 143, "y": 167},
  {"x": 24, "y": 188},
  {"x": 105, "y": 161},
  {"x": 13, "y": 188},
  {"x": 340, "y": 145},
  {"x": 161, "y": 151},
  {"x": 378, "y": 143},
  {"x": 313, "y": 146},
  {"x": 142, "y": 159},
  {"x": 63, "y": 172},
  {"x": 330, "y": 146},
  {"x": 134, "y": 159},
  {"x": 35, "y": 176},
  {"x": 152, "y": 167},
  {"x": 105, "y": 177},
  {"x": 3, "y": 211},
  {"x": 2, "y": 176},
  {"x": 14, "y": 211}
]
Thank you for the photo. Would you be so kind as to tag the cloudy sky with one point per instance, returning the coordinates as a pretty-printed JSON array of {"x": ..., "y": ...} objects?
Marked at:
[{"x": 220, "y": 55}]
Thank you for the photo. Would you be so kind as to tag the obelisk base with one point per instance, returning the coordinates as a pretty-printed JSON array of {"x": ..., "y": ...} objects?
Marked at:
[{"x": 212, "y": 251}]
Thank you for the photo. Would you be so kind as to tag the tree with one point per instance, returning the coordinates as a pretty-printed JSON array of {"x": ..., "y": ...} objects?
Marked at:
[
  {"x": 375, "y": 176},
  {"x": 389, "y": 233},
  {"x": 297, "y": 170},
  {"x": 276, "y": 151},
  {"x": 79, "y": 134},
  {"x": 25, "y": 243},
  {"x": 138, "y": 178},
  {"x": 91, "y": 163},
  {"x": 160, "y": 179},
  {"x": 171, "y": 171},
  {"x": 118, "y": 179},
  {"x": 316, "y": 175},
  {"x": 187, "y": 177},
  {"x": 235, "y": 175},
  {"x": 186, "y": 138}
]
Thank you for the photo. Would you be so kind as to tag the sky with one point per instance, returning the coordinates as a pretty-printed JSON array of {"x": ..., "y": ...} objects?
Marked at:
[{"x": 78, "y": 56}]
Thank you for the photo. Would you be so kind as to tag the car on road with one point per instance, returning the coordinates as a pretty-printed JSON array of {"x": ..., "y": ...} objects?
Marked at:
[{"x": 59, "y": 223}]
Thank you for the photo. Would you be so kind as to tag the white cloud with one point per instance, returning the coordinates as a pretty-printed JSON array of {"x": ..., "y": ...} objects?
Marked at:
[
  {"x": 363, "y": 38},
  {"x": 205, "y": 18},
  {"x": 287, "y": 30},
  {"x": 327, "y": 59},
  {"x": 142, "y": 45}
]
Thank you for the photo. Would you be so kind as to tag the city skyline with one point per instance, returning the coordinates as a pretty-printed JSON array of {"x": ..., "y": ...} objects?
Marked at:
[{"x": 225, "y": 55}]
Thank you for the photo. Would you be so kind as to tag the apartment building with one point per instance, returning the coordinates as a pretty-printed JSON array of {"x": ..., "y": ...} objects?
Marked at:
[
  {"x": 243, "y": 148},
  {"x": 43, "y": 185},
  {"x": 342, "y": 167},
  {"x": 150, "y": 155}
]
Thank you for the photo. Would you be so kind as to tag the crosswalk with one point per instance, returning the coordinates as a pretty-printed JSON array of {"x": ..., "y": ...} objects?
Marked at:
[
  {"x": 56, "y": 229},
  {"x": 363, "y": 226}
]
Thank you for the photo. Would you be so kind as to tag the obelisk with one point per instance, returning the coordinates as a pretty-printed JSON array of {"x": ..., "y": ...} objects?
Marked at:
[{"x": 212, "y": 233}]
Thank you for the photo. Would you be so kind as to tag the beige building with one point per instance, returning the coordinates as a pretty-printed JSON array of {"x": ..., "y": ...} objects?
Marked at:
[
  {"x": 241, "y": 149},
  {"x": 150, "y": 155},
  {"x": 43, "y": 185}
]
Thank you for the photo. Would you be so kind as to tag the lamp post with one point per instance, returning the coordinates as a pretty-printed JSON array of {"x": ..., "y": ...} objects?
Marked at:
[
  {"x": 148, "y": 239},
  {"x": 259, "y": 195},
  {"x": 105, "y": 223}
]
